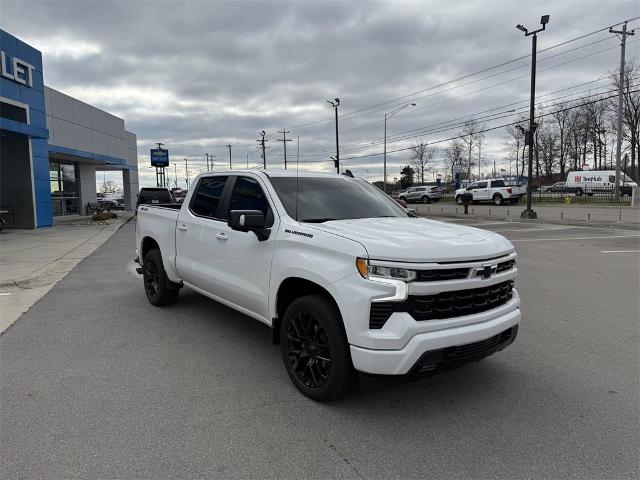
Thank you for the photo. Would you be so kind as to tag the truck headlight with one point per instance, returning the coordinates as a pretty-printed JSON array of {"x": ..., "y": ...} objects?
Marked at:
[{"x": 379, "y": 272}]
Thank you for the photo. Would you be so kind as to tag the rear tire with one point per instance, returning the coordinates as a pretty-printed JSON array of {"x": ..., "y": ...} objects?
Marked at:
[
  {"x": 159, "y": 289},
  {"x": 498, "y": 200},
  {"x": 426, "y": 199},
  {"x": 315, "y": 350}
]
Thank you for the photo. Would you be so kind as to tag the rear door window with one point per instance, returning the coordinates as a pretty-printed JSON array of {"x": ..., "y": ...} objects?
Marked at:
[
  {"x": 497, "y": 183},
  {"x": 206, "y": 199}
]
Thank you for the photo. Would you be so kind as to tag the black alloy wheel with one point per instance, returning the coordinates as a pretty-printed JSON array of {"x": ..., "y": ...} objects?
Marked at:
[
  {"x": 309, "y": 354},
  {"x": 151, "y": 279},
  {"x": 315, "y": 350},
  {"x": 159, "y": 289}
]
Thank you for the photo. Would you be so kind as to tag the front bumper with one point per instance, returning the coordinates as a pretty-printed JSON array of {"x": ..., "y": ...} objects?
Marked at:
[{"x": 412, "y": 355}]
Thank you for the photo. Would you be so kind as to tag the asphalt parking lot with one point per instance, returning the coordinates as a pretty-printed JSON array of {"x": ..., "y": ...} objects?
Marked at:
[{"x": 97, "y": 383}]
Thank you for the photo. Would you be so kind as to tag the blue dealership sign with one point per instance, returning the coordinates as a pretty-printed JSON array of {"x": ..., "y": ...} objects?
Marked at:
[{"x": 159, "y": 157}]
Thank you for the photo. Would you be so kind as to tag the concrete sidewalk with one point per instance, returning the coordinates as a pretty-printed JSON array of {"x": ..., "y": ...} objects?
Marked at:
[
  {"x": 625, "y": 217},
  {"x": 33, "y": 261}
]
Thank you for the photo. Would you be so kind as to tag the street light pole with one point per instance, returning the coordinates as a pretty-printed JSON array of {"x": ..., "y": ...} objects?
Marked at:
[
  {"x": 186, "y": 172},
  {"x": 229, "y": 147},
  {"x": 529, "y": 213},
  {"x": 335, "y": 104},
  {"x": 387, "y": 116}
]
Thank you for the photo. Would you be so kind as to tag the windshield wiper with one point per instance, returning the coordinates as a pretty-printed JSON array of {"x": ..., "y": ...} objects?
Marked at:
[{"x": 317, "y": 220}]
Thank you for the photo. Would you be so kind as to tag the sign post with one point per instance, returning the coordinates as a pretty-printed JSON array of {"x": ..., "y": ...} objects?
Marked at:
[{"x": 160, "y": 160}]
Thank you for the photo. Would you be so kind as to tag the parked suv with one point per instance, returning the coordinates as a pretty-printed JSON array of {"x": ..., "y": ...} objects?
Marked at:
[
  {"x": 425, "y": 194},
  {"x": 347, "y": 279}
]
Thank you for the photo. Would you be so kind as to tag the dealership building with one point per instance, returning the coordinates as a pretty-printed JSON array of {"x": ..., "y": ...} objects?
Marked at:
[{"x": 52, "y": 145}]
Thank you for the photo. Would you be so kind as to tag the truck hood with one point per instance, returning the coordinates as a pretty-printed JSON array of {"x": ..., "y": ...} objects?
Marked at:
[{"x": 418, "y": 239}]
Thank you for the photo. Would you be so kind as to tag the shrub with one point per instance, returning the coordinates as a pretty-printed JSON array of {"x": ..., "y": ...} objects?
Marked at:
[{"x": 102, "y": 216}]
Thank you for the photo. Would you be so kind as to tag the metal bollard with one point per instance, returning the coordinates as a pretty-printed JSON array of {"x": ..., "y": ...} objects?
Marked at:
[
  {"x": 561, "y": 215},
  {"x": 588, "y": 216}
]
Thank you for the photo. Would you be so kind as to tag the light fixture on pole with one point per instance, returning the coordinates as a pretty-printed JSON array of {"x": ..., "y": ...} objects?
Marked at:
[
  {"x": 335, "y": 104},
  {"x": 386, "y": 117},
  {"x": 529, "y": 213}
]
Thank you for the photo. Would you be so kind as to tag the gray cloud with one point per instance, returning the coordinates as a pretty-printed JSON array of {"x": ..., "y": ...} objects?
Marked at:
[{"x": 199, "y": 75}]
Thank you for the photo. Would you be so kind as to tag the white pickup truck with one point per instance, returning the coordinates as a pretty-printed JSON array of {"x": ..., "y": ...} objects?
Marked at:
[
  {"x": 348, "y": 280},
  {"x": 495, "y": 191}
]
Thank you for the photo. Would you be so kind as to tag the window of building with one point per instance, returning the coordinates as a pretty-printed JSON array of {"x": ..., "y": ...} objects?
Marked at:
[
  {"x": 207, "y": 196},
  {"x": 13, "y": 112},
  {"x": 65, "y": 192}
]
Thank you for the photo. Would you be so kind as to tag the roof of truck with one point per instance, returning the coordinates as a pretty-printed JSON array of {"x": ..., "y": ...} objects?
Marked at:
[{"x": 278, "y": 173}]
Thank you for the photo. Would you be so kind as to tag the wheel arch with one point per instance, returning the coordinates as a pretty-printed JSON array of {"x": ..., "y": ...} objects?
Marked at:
[
  {"x": 289, "y": 290},
  {"x": 147, "y": 244}
]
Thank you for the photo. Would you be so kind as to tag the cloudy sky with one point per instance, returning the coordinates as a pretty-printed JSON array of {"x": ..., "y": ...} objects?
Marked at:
[{"x": 200, "y": 75}]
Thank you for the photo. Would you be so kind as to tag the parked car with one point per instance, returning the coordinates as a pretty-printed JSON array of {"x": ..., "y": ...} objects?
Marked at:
[
  {"x": 178, "y": 194},
  {"x": 590, "y": 182},
  {"x": 556, "y": 187},
  {"x": 493, "y": 190},
  {"x": 423, "y": 194},
  {"x": 152, "y": 195},
  {"x": 347, "y": 280}
]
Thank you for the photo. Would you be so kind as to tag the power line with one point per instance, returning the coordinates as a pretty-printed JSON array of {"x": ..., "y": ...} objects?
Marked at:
[
  {"x": 493, "y": 67},
  {"x": 462, "y": 136}
]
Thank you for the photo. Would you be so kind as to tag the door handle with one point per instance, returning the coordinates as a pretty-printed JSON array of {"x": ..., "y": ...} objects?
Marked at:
[
  {"x": 221, "y": 236},
  {"x": 183, "y": 228}
]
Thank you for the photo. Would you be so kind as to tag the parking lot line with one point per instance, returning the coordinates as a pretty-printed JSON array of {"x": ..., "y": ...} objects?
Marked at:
[
  {"x": 573, "y": 238},
  {"x": 620, "y": 251}
]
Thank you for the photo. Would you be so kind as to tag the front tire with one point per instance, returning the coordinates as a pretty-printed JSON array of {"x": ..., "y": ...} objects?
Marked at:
[
  {"x": 579, "y": 192},
  {"x": 459, "y": 199},
  {"x": 159, "y": 289},
  {"x": 315, "y": 350}
]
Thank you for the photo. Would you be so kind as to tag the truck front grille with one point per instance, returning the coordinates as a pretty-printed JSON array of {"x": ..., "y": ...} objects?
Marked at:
[
  {"x": 446, "y": 274},
  {"x": 443, "y": 305}
]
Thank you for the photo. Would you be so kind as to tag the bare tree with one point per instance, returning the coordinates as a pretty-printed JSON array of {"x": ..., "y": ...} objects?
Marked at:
[
  {"x": 454, "y": 155},
  {"x": 515, "y": 146},
  {"x": 421, "y": 156},
  {"x": 472, "y": 132},
  {"x": 110, "y": 187},
  {"x": 561, "y": 116}
]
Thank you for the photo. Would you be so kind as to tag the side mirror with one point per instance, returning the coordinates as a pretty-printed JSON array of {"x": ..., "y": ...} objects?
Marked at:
[
  {"x": 411, "y": 212},
  {"x": 249, "y": 221}
]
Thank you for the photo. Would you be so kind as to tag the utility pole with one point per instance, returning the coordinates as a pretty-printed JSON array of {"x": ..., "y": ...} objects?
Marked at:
[
  {"x": 247, "y": 160},
  {"x": 284, "y": 141},
  {"x": 479, "y": 155},
  {"x": 264, "y": 148},
  {"x": 207, "y": 155},
  {"x": 529, "y": 213},
  {"x": 186, "y": 172},
  {"x": 335, "y": 104},
  {"x": 622, "y": 34},
  {"x": 229, "y": 147},
  {"x": 175, "y": 172}
]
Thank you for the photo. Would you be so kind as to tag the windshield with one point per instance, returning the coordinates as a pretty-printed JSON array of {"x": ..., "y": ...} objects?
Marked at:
[{"x": 324, "y": 198}]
